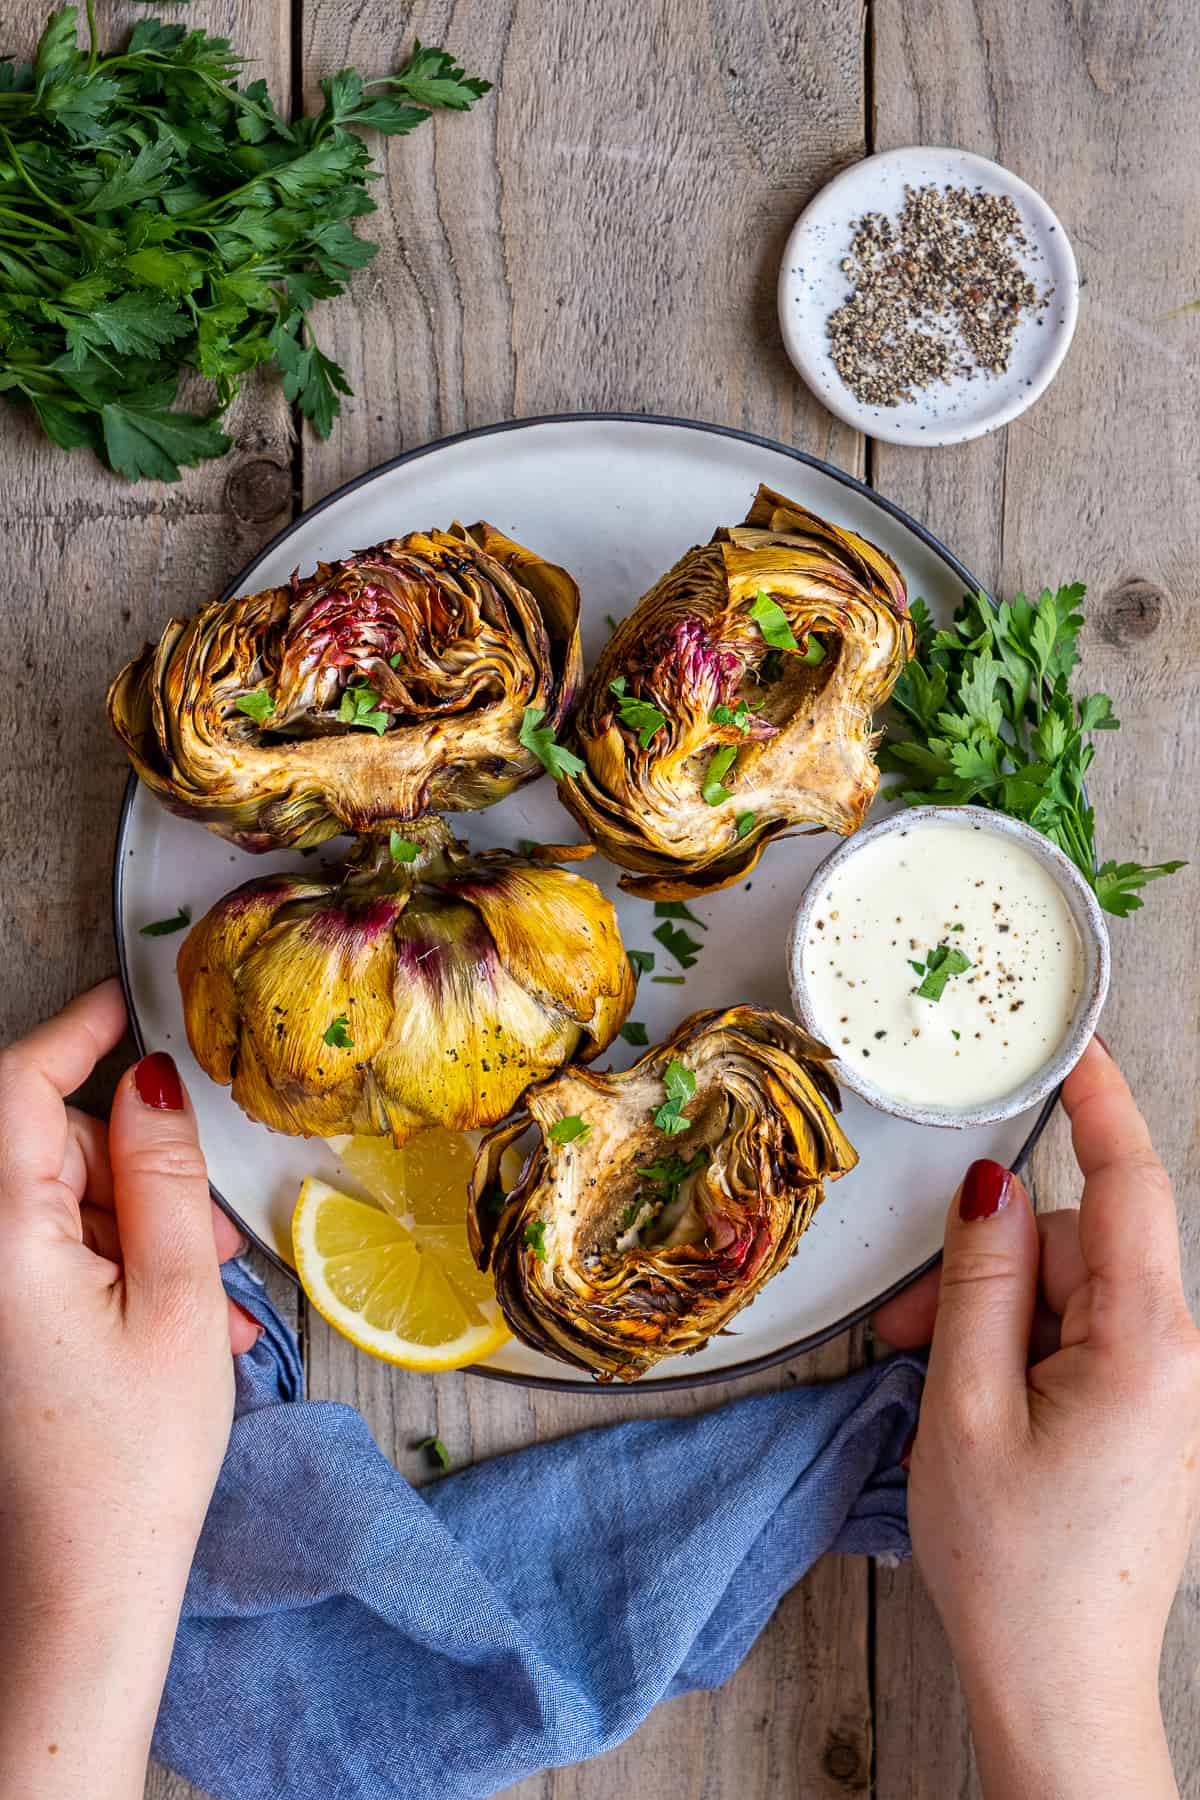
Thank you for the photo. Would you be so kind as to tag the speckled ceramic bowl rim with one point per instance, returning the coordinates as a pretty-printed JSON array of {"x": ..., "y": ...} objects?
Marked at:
[
  {"x": 809, "y": 364},
  {"x": 1093, "y": 935}
]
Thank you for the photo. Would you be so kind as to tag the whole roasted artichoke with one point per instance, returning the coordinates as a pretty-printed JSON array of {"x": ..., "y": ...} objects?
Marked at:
[
  {"x": 656, "y": 1203},
  {"x": 396, "y": 995},
  {"x": 382, "y": 687},
  {"x": 735, "y": 702}
]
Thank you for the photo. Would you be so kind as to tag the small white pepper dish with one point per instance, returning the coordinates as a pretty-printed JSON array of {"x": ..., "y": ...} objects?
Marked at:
[
  {"x": 956, "y": 876},
  {"x": 813, "y": 285}
]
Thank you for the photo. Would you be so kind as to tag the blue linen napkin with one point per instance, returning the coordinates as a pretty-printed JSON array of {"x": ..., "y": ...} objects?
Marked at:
[{"x": 345, "y": 1637}]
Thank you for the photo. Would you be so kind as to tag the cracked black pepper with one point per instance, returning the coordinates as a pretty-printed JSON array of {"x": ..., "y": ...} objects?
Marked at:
[{"x": 937, "y": 292}]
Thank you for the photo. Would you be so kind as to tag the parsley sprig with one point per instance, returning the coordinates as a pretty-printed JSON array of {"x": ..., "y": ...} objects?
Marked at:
[
  {"x": 987, "y": 718},
  {"x": 159, "y": 216}
]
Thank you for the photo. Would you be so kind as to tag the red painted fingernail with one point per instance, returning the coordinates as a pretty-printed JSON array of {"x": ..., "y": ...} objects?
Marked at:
[
  {"x": 906, "y": 1453},
  {"x": 157, "y": 1081},
  {"x": 985, "y": 1190}
]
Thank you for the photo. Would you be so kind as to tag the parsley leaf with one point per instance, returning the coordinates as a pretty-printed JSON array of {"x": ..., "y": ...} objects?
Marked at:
[
  {"x": 402, "y": 849},
  {"x": 719, "y": 764},
  {"x": 257, "y": 705},
  {"x": 639, "y": 715},
  {"x": 569, "y": 1130},
  {"x": 164, "y": 927},
  {"x": 676, "y": 909},
  {"x": 540, "y": 740},
  {"x": 535, "y": 1238},
  {"x": 728, "y": 715},
  {"x": 360, "y": 706},
  {"x": 680, "y": 1085},
  {"x": 772, "y": 621},
  {"x": 983, "y": 715},
  {"x": 337, "y": 1035},
  {"x": 435, "y": 1450},
  {"x": 683, "y": 948},
  {"x": 634, "y": 1032},
  {"x": 745, "y": 822},
  {"x": 640, "y": 961},
  {"x": 940, "y": 964}
]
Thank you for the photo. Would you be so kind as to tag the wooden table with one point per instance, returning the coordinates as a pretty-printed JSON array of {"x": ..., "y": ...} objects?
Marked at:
[{"x": 604, "y": 231}]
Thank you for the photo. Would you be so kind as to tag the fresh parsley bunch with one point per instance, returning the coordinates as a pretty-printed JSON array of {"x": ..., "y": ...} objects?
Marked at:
[
  {"x": 155, "y": 216},
  {"x": 987, "y": 718}
]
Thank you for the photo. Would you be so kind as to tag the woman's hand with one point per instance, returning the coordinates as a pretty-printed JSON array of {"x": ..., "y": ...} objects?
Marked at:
[
  {"x": 116, "y": 1395},
  {"x": 1052, "y": 1501}
]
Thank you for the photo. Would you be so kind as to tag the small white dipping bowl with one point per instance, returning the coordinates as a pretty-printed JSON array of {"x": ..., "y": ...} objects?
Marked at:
[{"x": 1093, "y": 937}]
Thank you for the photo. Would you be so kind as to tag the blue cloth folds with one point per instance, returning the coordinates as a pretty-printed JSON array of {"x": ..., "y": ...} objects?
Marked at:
[{"x": 345, "y": 1637}]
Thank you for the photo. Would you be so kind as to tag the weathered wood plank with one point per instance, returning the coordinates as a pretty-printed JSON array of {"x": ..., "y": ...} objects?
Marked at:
[
  {"x": 603, "y": 232},
  {"x": 1095, "y": 106},
  {"x": 95, "y": 566}
]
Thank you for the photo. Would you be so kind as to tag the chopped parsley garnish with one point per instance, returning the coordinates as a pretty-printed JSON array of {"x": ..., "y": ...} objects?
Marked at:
[
  {"x": 683, "y": 948},
  {"x": 535, "y": 1238},
  {"x": 937, "y": 969},
  {"x": 164, "y": 927},
  {"x": 987, "y": 718},
  {"x": 360, "y": 706},
  {"x": 813, "y": 652},
  {"x": 771, "y": 620},
  {"x": 668, "y": 980},
  {"x": 337, "y": 1035},
  {"x": 435, "y": 1450},
  {"x": 569, "y": 1130},
  {"x": 540, "y": 740},
  {"x": 955, "y": 1034},
  {"x": 719, "y": 766},
  {"x": 257, "y": 705},
  {"x": 639, "y": 715},
  {"x": 402, "y": 849},
  {"x": 610, "y": 622},
  {"x": 680, "y": 1084},
  {"x": 640, "y": 961},
  {"x": 676, "y": 909},
  {"x": 727, "y": 715},
  {"x": 670, "y": 1174},
  {"x": 958, "y": 928},
  {"x": 634, "y": 1032},
  {"x": 395, "y": 661},
  {"x": 745, "y": 822}
]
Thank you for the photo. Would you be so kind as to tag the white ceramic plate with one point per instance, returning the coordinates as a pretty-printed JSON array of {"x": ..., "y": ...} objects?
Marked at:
[
  {"x": 812, "y": 286},
  {"x": 616, "y": 499}
]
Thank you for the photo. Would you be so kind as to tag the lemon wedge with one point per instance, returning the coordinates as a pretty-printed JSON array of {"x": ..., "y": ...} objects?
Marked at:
[{"x": 398, "y": 1279}]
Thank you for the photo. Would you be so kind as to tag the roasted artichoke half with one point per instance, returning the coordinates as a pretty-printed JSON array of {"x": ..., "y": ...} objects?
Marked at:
[
  {"x": 395, "y": 995},
  {"x": 735, "y": 702},
  {"x": 655, "y": 1203},
  {"x": 382, "y": 687}
]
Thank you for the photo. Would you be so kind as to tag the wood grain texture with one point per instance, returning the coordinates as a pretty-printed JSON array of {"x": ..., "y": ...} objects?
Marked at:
[
  {"x": 99, "y": 565},
  {"x": 1095, "y": 106},
  {"x": 603, "y": 232}
]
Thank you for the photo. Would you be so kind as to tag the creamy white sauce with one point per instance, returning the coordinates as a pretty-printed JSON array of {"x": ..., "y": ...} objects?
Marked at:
[{"x": 996, "y": 1023}]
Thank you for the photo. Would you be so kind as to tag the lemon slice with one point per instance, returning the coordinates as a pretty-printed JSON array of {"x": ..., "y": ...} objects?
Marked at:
[{"x": 401, "y": 1290}]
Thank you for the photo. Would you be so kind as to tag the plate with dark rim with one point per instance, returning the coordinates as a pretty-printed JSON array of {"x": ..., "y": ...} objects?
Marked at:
[{"x": 616, "y": 498}]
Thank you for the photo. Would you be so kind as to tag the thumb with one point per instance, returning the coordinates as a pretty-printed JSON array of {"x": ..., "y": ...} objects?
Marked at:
[
  {"x": 160, "y": 1182},
  {"x": 987, "y": 1296}
]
